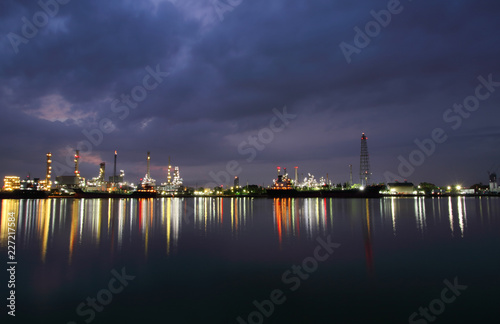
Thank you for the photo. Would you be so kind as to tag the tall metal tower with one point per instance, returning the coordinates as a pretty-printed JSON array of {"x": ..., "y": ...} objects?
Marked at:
[
  {"x": 350, "y": 175},
  {"x": 364, "y": 162}
]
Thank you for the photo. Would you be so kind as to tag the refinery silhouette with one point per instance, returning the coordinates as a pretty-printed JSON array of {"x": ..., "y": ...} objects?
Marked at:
[{"x": 283, "y": 185}]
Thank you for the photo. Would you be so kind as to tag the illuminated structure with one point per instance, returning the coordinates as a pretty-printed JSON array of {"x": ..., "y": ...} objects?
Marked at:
[
  {"x": 115, "y": 179},
  {"x": 30, "y": 184},
  {"x": 67, "y": 182},
  {"x": 364, "y": 163},
  {"x": 177, "y": 177},
  {"x": 11, "y": 183},
  {"x": 169, "y": 176},
  {"x": 310, "y": 182},
  {"x": 174, "y": 183},
  {"x": 102, "y": 170},
  {"x": 73, "y": 181},
  {"x": 236, "y": 182},
  {"x": 77, "y": 163},
  {"x": 282, "y": 182},
  {"x": 401, "y": 188},
  {"x": 493, "y": 182},
  {"x": 98, "y": 183},
  {"x": 296, "y": 183},
  {"x": 148, "y": 184},
  {"x": 48, "y": 173}
]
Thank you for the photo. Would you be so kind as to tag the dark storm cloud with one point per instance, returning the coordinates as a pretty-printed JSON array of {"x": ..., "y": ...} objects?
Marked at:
[{"x": 227, "y": 76}]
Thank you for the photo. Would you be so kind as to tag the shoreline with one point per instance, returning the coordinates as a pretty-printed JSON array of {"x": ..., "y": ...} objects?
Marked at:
[{"x": 296, "y": 194}]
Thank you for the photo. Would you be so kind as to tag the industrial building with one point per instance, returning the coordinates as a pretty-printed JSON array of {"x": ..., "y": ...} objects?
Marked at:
[
  {"x": 174, "y": 183},
  {"x": 98, "y": 183},
  {"x": 71, "y": 181},
  {"x": 11, "y": 183},
  {"x": 148, "y": 183},
  {"x": 31, "y": 184},
  {"x": 401, "y": 188},
  {"x": 493, "y": 183},
  {"x": 67, "y": 182}
]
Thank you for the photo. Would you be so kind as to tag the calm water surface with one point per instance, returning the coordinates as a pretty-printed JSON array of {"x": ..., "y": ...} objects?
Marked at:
[{"x": 214, "y": 260}]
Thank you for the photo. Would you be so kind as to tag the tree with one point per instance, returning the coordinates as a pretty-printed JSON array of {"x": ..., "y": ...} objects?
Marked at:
[{"x": 427, "y": 187}]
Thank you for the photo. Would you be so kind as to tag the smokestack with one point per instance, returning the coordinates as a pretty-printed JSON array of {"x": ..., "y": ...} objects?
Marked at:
[
  {"x": 296, "y": 175},
  {"x": 147, "y": 171},
  {"x": 77, "y": 160},
  {"x": 169, "y": 176},
  {"x": 48, "y": 182},
  {"x": 114, "y": 169},
  {"x": 279, "y": 171}
]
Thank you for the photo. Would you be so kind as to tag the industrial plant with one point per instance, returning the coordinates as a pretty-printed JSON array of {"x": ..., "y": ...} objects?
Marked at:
[
  {"x": 283, "y": 185},
  {"x": 78, "y": 186}
]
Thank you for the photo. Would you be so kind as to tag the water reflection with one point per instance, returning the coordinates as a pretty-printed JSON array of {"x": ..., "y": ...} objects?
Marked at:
[
  {"x": 296, "y": 217},
  {"x": 367, "y": 239},
  {"x": 84, "y": 223},
  {"x": 420, "y": 213},
  {"x": 215, "y": 214},
  {"x": 69, "y": 226}
]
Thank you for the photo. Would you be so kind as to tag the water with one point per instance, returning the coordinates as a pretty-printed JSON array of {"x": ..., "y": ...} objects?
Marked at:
[{"x": 214, "y": 260}]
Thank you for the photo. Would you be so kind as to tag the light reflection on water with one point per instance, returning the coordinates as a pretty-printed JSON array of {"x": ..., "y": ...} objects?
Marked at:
[{"x": 115, "y": 223}]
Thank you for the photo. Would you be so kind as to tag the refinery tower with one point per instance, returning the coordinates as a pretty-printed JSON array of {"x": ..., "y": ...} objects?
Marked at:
[{"x": 364, "y": 162}]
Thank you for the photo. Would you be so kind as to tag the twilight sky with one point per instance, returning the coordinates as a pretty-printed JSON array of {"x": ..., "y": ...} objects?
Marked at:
[{"x": 207, "y": 82}]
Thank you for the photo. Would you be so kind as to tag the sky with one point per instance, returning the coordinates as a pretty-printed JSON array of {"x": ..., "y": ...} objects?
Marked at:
[{"x": 237, "y": 87}]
